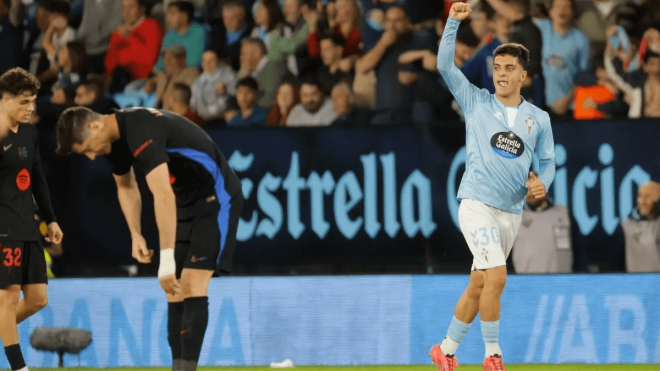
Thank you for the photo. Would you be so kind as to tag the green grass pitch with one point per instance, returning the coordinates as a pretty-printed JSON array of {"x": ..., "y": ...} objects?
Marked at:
[{"x": 531, "y": 367}]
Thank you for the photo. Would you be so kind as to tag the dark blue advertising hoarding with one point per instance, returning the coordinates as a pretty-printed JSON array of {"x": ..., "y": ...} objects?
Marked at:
[{"x": 384, "y": 193}]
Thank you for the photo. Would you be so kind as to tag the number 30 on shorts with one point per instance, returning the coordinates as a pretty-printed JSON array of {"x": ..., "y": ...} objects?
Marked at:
[{"x": 485, "y": 236}]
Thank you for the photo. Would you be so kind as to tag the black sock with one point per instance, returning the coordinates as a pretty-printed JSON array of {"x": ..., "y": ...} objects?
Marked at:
[
  {"x": 195, "y": 320},
  {"x": 174, "y": 320},
  {"x": 15, "y": 357}
]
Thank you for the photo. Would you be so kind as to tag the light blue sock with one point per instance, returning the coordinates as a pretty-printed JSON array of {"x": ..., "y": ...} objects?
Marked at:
[
  {"x": 456, "y": 333},
  {"x": 490, "y": 331}
]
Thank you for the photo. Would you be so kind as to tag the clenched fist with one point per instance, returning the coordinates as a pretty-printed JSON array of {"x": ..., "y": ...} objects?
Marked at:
[{"x": 460, "y": 11}]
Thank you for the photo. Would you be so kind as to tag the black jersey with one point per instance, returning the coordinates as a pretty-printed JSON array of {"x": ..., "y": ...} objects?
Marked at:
[
  {"x": 150, "y": 137},
  {"x": 21, "y": 178}
]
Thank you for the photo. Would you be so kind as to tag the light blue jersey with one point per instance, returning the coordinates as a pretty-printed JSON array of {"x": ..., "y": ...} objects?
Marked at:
[
  {"x": 563, "y": 57},
  {"x": 499, "y": 156}
]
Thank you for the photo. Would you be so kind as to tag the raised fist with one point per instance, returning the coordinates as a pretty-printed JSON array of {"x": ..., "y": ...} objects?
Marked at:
[{"x": 460, "y": 11}]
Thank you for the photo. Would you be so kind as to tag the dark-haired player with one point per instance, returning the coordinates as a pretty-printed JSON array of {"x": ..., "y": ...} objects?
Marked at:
[
  {"x": 22, "y": 260},
  {"x": 197, "y": 201},
  {"x": 503, "y": 133}
]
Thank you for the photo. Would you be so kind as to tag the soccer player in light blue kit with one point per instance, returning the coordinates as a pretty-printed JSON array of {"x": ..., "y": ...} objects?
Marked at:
[{"x": 503, "y": 133}]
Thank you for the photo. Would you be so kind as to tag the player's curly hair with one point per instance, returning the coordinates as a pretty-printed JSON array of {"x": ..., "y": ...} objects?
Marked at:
[
  {"x": 515, "y": 50},
  {"x": 71, "y": 127},
  {"x": 18, "y": 81}
]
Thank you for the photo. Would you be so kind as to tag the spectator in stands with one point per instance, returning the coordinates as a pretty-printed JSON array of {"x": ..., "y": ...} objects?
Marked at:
[
  {"x": 479, "y": 69},
  {"x": 176, "y": 70},
  {"x": 595, "y": 20},
  {"x": 268, "y": 73},
  {"x": 282, "y": 42},
  {"x": 99, "y": 19},
  {"x": 625, "y": 47},
  {"x": 432, "y": 97},
  {"x": 641, "y": 89},
  {"x": 158, "y": 9},
  {"x": 53, "y": 24},
  {"x": 345, "y": 23},
  {"x": 288, "y": 96},
  {"x": 565, "y": 53},
  {"x": 394, "y": 92},
  {"x": 178, "y": 100},
  {"x": 525, "y": 32},
  {"x": 292, "y": 10},
  {"x": 11, "y": 35},
  {"x": 269, "y": 21},
  {"x": 90, "y": 94},
  {"x": 134, "y": 46},
  {"x": 482, "y": 22},
  {"x": 71, "y": 69},
  {"x": 226, "y": 38},
  {"x": 596, "y": 95},
  {"x": 295, "y": 22},
  {"x": 212, "y": 89},
  {"x": 249, "y": 113},
  {"x": 642, "y": 232},
  {"x": 183, "y": 32},
  {"x": 467, "y": 44},
  {"x": 544, "y": 243},
  {"x": 343, "y": 103},
  {"x": 331, "y": 73},
  {"x": 55, "y": 38},
  {"x": 34, "y": 58},
  {"x": 314, "y": 108},
  {"x": 58, "y": 32}
]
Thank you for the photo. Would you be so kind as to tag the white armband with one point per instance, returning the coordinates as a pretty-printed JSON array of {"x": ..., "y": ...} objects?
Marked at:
[{"x": 167, "y": 264}]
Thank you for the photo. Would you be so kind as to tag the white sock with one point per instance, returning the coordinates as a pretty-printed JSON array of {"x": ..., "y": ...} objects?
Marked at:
[
  {"x": 23, "y": 369},
  {"x": 448, "y": 346},
  {"x": 493, "y": 349}
]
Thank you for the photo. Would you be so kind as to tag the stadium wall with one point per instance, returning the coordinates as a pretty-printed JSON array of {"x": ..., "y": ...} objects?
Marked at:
[{"x": 358, "y": 320}]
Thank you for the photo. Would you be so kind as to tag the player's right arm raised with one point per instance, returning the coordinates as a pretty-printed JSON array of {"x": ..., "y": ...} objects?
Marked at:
[{"x": 465, "y": 93}]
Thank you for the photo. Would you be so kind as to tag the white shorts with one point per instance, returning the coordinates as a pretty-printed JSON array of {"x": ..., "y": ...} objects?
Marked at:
[{"x": 489, "y": 233}]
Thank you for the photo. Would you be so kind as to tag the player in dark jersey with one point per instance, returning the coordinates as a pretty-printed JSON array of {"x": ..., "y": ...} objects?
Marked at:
[
  {"x": 22, "y": 182},
  {"x": 197, "y": 200}
]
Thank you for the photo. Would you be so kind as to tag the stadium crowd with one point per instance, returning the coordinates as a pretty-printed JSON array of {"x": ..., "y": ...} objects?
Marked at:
[
  {"x": 287, "y": 63},
  {"x": 337, "y": 62}
]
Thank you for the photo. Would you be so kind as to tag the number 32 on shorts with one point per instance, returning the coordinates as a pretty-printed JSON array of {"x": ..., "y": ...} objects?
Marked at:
[{"x": 485, "y": 236}]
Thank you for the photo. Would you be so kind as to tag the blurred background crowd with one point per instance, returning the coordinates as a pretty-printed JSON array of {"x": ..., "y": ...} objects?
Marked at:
[{"x": 331, "y": 62}]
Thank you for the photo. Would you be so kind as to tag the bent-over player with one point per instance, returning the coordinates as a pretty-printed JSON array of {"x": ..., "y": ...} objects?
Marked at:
[{"x": 197, "y": 201}]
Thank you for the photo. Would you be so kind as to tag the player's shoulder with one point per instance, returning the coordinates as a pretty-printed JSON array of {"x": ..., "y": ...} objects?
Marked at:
[
  {"x": 538, "y": 114},
  {"x": 138, "y": 123},
  {"x": 544, "y": 24}
]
